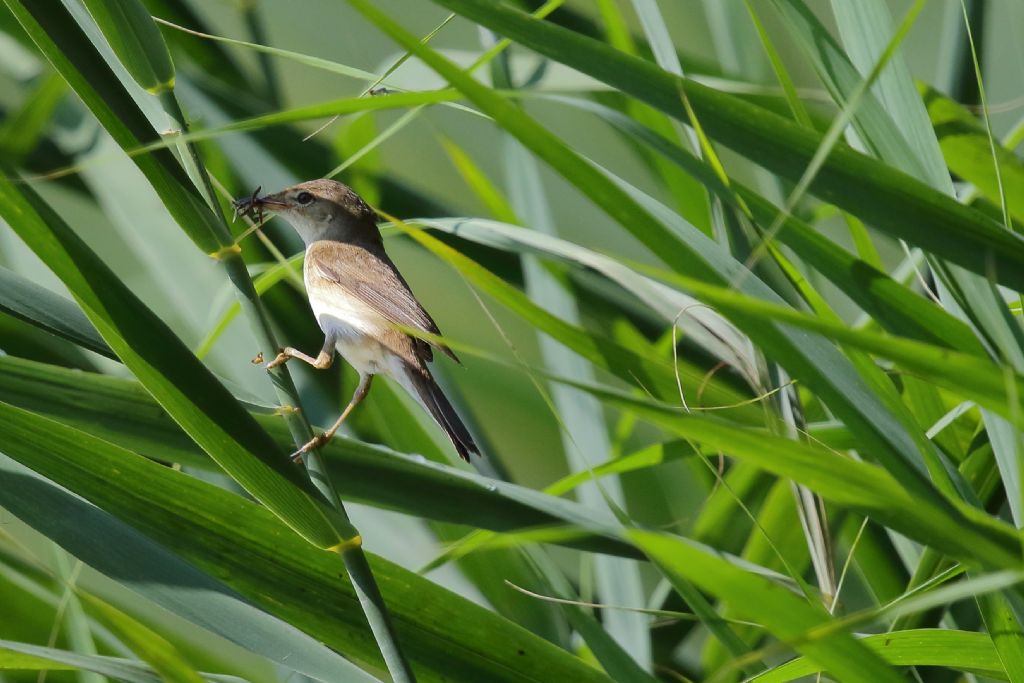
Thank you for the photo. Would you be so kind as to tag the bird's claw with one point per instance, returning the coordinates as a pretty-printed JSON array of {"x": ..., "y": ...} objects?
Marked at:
[
  {"x": 280, "y": 359},
  {"x": 316, "y": 442}
]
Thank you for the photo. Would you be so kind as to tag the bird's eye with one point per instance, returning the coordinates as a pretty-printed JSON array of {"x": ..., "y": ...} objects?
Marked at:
[{"x": 304, "y": 198}]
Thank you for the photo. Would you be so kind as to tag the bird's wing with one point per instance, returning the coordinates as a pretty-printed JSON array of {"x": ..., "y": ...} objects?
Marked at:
[{"x": 373, "y": 279}]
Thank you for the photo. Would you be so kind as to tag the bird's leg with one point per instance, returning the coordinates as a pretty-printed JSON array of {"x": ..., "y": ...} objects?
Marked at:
[
  {"x": 323, "y": 361},
  {"x": 320, "y": 439}
]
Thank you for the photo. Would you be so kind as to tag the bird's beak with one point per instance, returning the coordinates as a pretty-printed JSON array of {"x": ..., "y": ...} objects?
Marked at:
[
  {"x": 272, "y": 202},
  {"x": 254, "y": 205}
]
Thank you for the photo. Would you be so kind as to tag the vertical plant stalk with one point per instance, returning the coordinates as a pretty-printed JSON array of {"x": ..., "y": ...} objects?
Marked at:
[
  {"x": 351, "y": 552},
  {"x": 69, "y": 611},
  {"x": 133, "y": 36},
  {"x": 267, "y": 67}
]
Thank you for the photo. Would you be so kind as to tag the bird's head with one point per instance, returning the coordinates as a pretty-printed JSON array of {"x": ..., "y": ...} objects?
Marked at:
[{"x": 319, "y": 210}]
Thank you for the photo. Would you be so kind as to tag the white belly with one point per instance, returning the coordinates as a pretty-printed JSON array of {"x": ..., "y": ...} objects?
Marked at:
[
  {"x": 364, "y": 354},
  {"x": 353, "y": 326}
]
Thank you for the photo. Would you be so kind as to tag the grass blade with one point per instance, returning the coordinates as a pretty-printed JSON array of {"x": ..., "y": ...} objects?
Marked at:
[
  {"x": 961, "y": 650},
  {"x": 243, "y": 544},
  {"x": 585, "y": 434},
  {"x": 153, "y": 572},
  {"x": 43, "y": 658},
  {"x": 878, "y": 194},
  {"x": 133, "y": 36},
  {"x": 783, "y": 613},
  {"x": 170, "y": 372},
  {"x": 965, "y": 148},
  {"x": 120, "y": 411},
  {"x": 48, "y": 311},
  {"x": 891, "y": 303},
  {"x": 321, "y": 515},
  {"x": 687, "y": 250}
]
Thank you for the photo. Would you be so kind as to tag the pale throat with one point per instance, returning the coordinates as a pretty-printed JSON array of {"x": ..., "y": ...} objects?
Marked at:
[{"x": 313, "y": 230}]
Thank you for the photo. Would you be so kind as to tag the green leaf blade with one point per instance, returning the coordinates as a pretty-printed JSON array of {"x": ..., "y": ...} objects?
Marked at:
[{"x": 134, "y": 37}]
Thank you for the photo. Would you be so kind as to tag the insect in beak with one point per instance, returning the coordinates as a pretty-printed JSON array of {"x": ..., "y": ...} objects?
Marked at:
[{"x": 249, "y": 206}]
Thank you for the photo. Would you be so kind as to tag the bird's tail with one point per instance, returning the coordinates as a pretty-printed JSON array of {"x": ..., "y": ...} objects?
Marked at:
[{"x": 425, "y": 389}]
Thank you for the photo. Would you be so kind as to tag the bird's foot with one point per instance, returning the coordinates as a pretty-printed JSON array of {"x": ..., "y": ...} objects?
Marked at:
[
  {"x": 316, "y": 442},
  {"x": 280, "y": 359}
]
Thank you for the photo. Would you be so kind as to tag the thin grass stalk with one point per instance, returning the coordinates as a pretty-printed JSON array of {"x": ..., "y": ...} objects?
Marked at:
[
  {"x": 271, "y": 82},
  {"x": 353, "y": 557},
  {"x": 76, "y": 627},
  {"x": 615, "y": 579}
]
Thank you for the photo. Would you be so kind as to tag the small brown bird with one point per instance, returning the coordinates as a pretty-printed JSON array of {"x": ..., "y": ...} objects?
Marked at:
[{"x": 360, "y": 301}]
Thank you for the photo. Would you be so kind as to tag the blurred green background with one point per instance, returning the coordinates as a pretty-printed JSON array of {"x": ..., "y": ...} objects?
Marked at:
[{"x": 111, "y": 205}]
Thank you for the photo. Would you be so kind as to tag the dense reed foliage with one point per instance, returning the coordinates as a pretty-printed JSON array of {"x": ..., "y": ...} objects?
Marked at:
[{"x": 735, "y": 284}]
